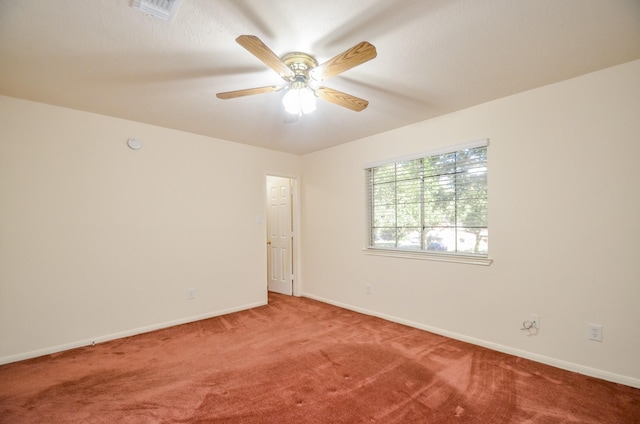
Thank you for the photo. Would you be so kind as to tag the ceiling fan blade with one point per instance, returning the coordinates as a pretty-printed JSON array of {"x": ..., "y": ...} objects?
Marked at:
[
  {"x": 260, "y": 50},
  {"x": 342, "y": 99},
  {"x": 248, "y": 92},
  {"x": 356, "y": 55}
]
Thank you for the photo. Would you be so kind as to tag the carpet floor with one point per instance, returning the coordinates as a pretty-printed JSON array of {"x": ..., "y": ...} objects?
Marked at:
[{"x": 301, "y": 361}]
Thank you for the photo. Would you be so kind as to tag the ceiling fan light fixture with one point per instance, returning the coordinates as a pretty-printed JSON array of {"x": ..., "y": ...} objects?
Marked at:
[{"x": 299, "y": 101}]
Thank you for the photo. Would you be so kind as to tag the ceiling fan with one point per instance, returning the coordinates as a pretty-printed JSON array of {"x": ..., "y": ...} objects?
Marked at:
[{"x": 302, "y": 74}]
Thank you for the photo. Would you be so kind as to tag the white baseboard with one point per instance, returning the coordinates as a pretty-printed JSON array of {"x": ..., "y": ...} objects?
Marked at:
[
  {"x": 558, "y": 363},
  {"x": 128, "y": 333}
]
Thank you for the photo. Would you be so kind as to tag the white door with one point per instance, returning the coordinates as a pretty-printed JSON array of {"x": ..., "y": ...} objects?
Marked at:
[{"x": 279, "y": 235}]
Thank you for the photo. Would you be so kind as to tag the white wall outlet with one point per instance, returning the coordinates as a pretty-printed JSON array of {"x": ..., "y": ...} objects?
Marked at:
[
  {"x": 191, "y": 294},
  {"x": 595, "y": 332},
  {"x": 368, "y": 288},
  {"x": 535, "y": 320}
]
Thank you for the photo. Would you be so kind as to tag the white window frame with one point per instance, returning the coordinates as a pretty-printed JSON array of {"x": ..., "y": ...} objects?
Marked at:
[{"x": 456, "y": 257}]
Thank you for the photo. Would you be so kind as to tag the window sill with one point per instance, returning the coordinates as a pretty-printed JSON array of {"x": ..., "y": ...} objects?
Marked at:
[{"x": 426, "y": 256}]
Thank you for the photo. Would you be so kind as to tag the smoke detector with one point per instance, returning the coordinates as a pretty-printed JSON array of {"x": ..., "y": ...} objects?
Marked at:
[{"x": 162, "y": 9}]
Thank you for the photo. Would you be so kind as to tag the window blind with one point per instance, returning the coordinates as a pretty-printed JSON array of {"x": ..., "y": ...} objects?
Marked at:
[{"x": 435, "y": 203}]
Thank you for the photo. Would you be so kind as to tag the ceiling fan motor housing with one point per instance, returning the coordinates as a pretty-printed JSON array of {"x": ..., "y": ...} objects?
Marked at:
[{"x": 301, "y": 64}]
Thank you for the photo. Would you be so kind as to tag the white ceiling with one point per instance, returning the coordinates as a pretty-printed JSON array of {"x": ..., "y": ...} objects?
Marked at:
[{"x": 434, "y": 57}]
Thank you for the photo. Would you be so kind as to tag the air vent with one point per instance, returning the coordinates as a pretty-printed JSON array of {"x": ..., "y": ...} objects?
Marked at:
[{"x": 163, "y": 9}]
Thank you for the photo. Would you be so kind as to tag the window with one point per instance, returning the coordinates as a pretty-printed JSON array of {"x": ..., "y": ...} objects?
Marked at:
[{"x": 435, "y": 203}]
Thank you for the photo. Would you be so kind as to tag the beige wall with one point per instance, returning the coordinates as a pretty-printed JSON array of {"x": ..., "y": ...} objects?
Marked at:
[
  {"x": 564, "y": 229},
  {"x": 99, "y": 241}
]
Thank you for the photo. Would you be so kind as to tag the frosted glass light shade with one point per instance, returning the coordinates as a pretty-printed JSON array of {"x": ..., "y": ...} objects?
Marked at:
[{"x": 299, "y": 101}]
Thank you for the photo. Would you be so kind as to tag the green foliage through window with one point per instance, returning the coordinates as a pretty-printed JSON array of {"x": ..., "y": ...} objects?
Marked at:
[{"x": 435, "y": 203}]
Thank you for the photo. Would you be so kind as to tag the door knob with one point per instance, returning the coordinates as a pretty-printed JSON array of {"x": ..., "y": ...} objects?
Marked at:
[{"x": 269, "y": 242}]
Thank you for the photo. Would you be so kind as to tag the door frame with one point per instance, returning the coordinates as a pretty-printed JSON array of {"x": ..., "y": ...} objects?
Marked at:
[{"x": 295, "y": 218}]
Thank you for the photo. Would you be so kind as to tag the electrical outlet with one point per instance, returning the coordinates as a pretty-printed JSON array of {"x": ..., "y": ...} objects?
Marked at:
[
  {"x": 368, "y": 288},
  {"x": 535, "y": 320},
  {"x": 191, "y": 294},
  {"x": 595, "y": 332}
]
